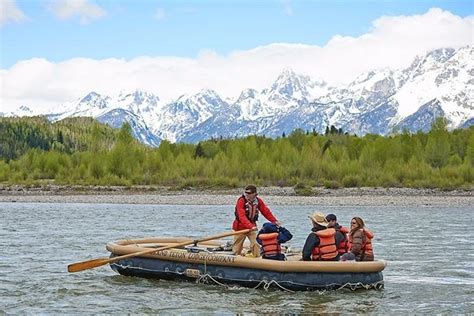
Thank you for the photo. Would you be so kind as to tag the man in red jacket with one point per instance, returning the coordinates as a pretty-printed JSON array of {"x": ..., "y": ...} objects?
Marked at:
[{"x": 247, "y": 209}]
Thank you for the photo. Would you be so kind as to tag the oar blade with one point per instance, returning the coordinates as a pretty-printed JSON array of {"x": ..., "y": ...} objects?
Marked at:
[{"x": 89, "y": 264}]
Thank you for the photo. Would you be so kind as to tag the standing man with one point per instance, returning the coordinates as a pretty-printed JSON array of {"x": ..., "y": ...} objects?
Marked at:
[{"x": 247, "y": 209}]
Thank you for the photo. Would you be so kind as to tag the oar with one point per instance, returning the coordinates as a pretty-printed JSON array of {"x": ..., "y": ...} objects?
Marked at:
[{"x": 89, "y": 264}]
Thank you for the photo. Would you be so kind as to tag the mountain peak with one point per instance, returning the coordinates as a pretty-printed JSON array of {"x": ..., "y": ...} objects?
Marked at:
[
  {"x": 90, "y": 96},
  {"x": 94, "y": 100},
  {"x": 140, "y": 102},
  {"x": 208, "y": 93},
  {"x": 289, "y": 86},
  {"x": 138, "y": 97},
  {"x": 246, "y": 94},
  {"x": 287, "y": 72}
]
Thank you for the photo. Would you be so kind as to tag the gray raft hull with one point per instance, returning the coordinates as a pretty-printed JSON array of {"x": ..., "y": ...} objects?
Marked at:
[{"x": 247, "y": 277}]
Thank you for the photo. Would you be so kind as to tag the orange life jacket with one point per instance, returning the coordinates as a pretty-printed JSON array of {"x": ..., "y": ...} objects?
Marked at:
[
  {"x": 366, "y": 244},
  {"x": 270, "y": 245},
  {"x": 343, "y": 246},
  {"x": 326, "y": 249}
]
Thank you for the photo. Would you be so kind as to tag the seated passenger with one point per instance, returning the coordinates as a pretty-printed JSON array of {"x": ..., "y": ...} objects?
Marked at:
[
  {"x": 321, "y": 242},
  {"x": 271, "y": 237},
  {"x": 342, "y": 241},
  {"x": 360, "y": 242}
]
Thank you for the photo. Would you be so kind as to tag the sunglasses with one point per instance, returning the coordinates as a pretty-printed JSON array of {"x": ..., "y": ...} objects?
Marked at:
[
  {"x": 246, "y": 192},
  {"x": 353, "y": 222}
]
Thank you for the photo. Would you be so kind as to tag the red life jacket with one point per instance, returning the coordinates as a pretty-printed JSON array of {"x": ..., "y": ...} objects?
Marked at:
[
  {"x": 270, "y": 245},
  {"x": 343, "y": 246},
  {"x": 251, "y": 209},
  {"x": 366, "y": 244},
  {"x": 326, "y": 249}
]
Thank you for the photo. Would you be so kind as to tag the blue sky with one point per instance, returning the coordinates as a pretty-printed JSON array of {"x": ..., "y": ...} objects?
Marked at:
[
  {"x": 57, "y": 51},
  {"x": 128, "y": 29}
]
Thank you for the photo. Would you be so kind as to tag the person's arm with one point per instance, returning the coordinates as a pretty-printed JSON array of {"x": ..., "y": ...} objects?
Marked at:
[
  {"x": 339, "y": 238},
  {"x": 266, "y": 212},
  {"x": 357, "y": 241},
  {"x": 241, "y": 215},
  {"x": 310, "y": 243},
  {"x": 284, "y": 235}
]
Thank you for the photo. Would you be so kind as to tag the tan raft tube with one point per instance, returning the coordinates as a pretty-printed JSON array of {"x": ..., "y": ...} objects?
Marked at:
[{"x": 126, "y": 246}]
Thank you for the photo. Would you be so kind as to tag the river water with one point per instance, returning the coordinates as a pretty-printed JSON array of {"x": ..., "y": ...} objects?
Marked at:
[{"x": 429, "y": 253}]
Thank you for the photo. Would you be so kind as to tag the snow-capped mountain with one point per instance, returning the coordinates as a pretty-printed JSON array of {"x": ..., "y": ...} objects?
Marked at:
[
  {"x": 139, "y": 102},
  {"x": 186, "y": 114},
  {"x": 116, "y": 117},
  {"x": 20, "y": 111},
  {"x": 446, "y": 75},
  {"x": 92, "y": 104},
  {"x": 440, "y": 83}
]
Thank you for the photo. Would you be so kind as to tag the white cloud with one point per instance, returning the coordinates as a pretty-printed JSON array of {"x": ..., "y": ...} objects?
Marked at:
[
  {"x": 159, "y": 14},
  {"x": 393, "y": 42},
  {"x": 85, "y": 9},
  {"x": 9, "y": 12}
]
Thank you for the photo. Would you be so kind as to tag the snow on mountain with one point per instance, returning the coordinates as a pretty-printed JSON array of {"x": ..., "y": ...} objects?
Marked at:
[
  {"x": 373, "y": 86},
  {"x": 145, "y": 104},
  {"x": 224, "y": 123},
  {"x": 288, "y": 87},
  {"x": 421, "y": 120},
  {"x": 20, "y": 111},
  {"x": 136, "y": 108},
  {"x": 139, "y": 102},
  {"x": 116, "y": 117},
  {"x": 440, "y": 83},
  {"x": 291, "y": 90},
  {"x": 252, "y": 106},
  {"x": 181, "y": 116},
  {"x": 93, "y": 104},
  {"x": 446, "y": 75}
]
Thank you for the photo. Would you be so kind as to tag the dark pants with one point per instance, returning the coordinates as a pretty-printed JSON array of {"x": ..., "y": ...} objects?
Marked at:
[{"x": 279, "y": 256}]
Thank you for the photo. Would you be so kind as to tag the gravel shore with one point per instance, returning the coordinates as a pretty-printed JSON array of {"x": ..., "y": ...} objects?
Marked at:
[{"x": 271, "y": 195}]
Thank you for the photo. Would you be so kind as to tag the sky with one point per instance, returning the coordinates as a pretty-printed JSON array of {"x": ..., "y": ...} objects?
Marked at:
[{"x": 56, "y": 51}]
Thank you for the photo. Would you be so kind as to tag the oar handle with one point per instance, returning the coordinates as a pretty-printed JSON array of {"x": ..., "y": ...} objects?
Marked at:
[{"x": 89, "y": 264}]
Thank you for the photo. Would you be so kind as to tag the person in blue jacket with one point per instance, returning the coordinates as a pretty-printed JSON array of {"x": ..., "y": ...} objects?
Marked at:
[{"x": 270, "y": 237}]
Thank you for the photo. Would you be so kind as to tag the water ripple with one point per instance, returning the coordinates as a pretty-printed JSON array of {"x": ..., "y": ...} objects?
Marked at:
[{"x": 426, "y": 261}]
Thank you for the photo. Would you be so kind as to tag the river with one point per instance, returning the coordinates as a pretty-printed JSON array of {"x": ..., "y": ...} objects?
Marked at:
[{"x": 429, "y": 253}]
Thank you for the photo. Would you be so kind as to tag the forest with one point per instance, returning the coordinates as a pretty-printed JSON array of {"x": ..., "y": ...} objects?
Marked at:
[{"x": 82, "y": 151}]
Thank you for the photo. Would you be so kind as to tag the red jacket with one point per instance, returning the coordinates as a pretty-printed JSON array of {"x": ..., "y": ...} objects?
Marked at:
[{"x": 242, "y": 221}]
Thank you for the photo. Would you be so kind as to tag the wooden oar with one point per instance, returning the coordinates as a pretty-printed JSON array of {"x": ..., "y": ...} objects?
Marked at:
[{"x": 89, "y": 264}]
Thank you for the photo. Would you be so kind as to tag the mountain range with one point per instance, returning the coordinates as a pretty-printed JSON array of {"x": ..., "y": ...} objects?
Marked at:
[{"x": 440, "y": 83}]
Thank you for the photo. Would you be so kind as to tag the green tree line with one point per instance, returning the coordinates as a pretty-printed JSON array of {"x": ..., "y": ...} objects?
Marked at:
[
  {"x": 82, "y": 151},
  {"x": 20, "y": 134}
]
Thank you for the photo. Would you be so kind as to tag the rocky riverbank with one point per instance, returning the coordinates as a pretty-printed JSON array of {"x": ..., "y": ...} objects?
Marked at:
[{"x": 271, "y": 195}]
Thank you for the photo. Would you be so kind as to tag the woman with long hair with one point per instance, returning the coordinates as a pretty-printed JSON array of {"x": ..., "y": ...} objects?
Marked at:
[{"x": 360, "y": 242}]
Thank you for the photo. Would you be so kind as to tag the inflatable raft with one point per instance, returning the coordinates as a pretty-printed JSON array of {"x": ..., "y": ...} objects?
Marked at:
[{"x": 209, "y": 262}]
